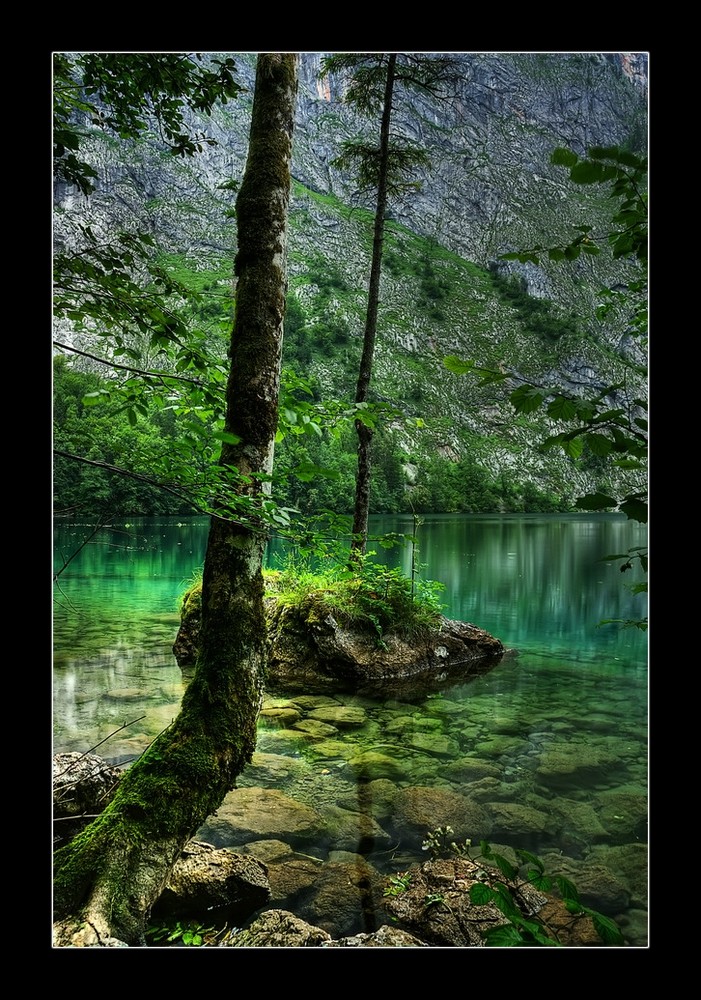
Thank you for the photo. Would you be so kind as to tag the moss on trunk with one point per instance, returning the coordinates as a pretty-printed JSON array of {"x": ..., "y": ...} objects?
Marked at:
[{"x": 107, "y": 879}]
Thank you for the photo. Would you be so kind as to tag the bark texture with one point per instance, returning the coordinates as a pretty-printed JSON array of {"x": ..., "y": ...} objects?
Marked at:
[{"x": 108, "y": 878}]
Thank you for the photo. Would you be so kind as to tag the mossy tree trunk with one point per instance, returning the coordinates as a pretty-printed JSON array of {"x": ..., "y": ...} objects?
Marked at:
[{"x": 107, "y": 879}]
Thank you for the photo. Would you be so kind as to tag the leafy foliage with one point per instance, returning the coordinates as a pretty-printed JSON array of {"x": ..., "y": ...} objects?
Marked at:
[
  {"x": 626, "y": 172},
  {"x": 521, "y": 930},
  {"x": 397, "y": 884},
  {"x": 184, "y": 934},
  {"x": 368, "y": 595},
  {"x": 363, "y": 159},
  {"x": 127, "y": 93}
]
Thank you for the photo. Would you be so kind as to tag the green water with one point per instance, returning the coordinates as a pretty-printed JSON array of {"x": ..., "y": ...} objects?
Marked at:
[{"x": 575, "y": 693}]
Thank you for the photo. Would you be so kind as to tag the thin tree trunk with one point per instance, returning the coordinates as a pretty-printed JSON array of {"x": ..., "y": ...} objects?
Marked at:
[
  {"x": 107, "y": 879},
  {"x": 361, "y": 508}
]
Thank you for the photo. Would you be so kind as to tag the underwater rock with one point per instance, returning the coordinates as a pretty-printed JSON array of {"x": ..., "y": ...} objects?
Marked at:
[
  {"x": 575, "y": 763},
  {"x": 353, "y": 830},
  {"x": 254, "y": 813},
  {"x": 346, "y": 898},
  {"x": 420, "y": 809},
  {"x": 597, "y": 885}
]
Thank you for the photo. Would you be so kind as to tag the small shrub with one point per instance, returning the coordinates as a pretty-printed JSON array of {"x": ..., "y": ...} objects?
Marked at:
[
  {"x": 520, "y": 931},
  {"x": 368, "y": 596}
]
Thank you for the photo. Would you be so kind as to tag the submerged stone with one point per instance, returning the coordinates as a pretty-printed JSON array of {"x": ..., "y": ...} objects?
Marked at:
[
  {"x": 251, "y": 813},
  {"x": 420, "y": 809}
]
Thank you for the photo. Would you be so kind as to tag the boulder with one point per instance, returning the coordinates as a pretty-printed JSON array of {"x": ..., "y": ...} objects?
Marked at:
[
  {"x": 310, "y": 651},
  {"x": 385, "y": 937},
  {"x": 277, "y": 929},
  {"x": 83, "y": 784},
  {"x": 419, "y": 809},
  {"x": 281, "y": 929},
  {"x": 258, "y": 813},
  {"x": 434, "y": 905},
  {"x": 317, "y": 652},
  {"x": 345, "y": 898},
  {"x": 218, "y": 883}
]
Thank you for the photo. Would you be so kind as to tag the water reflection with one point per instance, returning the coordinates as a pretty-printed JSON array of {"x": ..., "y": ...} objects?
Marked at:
[{"x": 552, "y": 742}]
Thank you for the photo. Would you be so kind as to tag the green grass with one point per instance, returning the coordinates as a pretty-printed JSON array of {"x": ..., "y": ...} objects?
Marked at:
[{"x": 374, "y": 598}]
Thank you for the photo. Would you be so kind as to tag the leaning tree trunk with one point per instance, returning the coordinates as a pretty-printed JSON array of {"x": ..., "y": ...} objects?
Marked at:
[
  {"x": 107, "y": 879},
  {"x": 361, "y": 509}
]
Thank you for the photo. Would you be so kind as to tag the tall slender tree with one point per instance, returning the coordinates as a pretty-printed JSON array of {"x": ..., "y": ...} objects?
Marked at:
[
  {"x": 384, "y": 167},
  {"x": 107, "y": 879}
]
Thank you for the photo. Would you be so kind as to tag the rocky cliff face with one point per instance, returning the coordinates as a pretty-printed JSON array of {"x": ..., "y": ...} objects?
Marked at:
[{"x": 491, "y": 189}]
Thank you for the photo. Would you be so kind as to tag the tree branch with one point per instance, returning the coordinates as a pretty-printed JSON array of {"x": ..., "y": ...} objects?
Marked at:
[
  {"x": 126, "y": 368},
  {"x": 132, "y": 475}
]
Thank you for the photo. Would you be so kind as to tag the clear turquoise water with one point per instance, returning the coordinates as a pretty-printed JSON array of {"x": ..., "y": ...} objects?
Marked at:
[{"x": 536, "y": 582}]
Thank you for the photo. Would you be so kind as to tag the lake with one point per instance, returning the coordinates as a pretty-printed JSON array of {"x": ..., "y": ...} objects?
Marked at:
[{"x": 550, "y": 747}]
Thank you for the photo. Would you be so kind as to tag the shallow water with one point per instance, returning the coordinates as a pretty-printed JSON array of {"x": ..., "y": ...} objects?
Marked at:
[{"x": 548, "y": 751}]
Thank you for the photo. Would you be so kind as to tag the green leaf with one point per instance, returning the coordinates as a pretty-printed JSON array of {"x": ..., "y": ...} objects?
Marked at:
[
  {"x": 595, "y": 501},
  {"x": 599, "y": 444},
  {"x": 481, "y": 894},
  {"x": 539, "y": 880},
  {"x": 562, "y": 157},
  {"x": 506, "y": 936},
  {"x": 457, "y": 365},
  {"x": 586, "y": 172},
  {"x": 504, "y": 866},
  {"x": 525, "y": 257},
  {"x": 607, "y": 930},
  {"x": 93, "y": 398},
  {"x": 635, "y": 510},
  {"x": 505, "y": 902},
  {"x": 526, "y": 399},
  {"x": 567, "y": 889},
  {"x": 562, "y": 408},
  {"x": 226, "y": 436},
  {"x": 573, "y": 447},
  {"x": 532, "y": 858}
]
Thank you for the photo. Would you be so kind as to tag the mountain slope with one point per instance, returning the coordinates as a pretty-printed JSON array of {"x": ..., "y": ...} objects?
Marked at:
[{"x": 491, "y": 189}]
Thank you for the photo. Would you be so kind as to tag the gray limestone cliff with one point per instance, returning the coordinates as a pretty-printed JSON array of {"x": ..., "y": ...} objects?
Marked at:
[{"x": 491, "y": 189}]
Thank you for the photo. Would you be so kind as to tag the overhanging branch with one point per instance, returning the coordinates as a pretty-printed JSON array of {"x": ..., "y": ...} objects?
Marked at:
[{"x": 126, "y": 368}]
